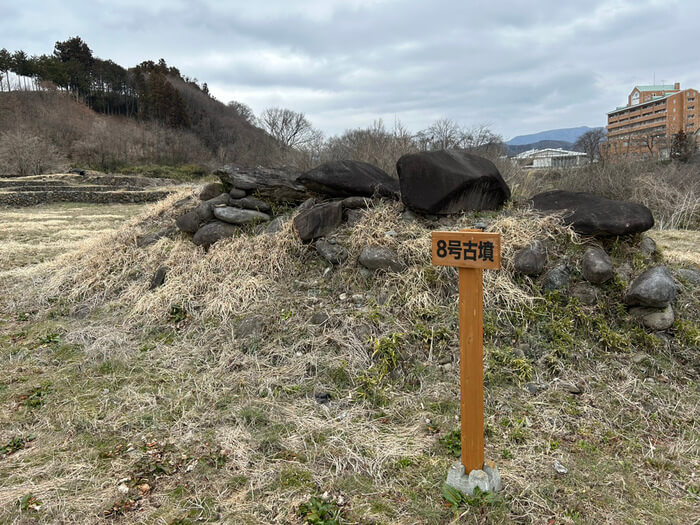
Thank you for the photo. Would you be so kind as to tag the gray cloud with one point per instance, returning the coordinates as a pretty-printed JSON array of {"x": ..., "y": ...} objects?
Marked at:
[{"x": 519, "y": 66}]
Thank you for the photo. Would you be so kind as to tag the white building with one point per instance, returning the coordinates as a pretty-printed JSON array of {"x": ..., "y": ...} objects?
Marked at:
[{"x": 551, "y": 158}]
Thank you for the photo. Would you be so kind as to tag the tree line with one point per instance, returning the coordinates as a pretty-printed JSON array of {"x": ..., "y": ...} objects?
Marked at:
[{"x": 142, "y": 91}]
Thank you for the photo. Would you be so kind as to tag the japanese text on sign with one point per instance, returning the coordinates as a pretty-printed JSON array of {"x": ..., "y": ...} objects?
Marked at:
[{"x": 467, "y": 249}]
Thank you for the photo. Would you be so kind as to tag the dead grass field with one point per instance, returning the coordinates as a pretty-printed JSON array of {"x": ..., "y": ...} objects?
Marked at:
[
  {"x": 33, "y": 235},
  {"x": 120, "y": 403}
]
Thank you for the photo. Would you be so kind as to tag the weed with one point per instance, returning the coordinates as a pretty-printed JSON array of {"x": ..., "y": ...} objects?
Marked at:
[
  {"x": 29, "y": 502},
  {"x": 15, "y": 444},
  {"x": 687, "y": 332},
  {"x": 36, "y": 396},
  {"x": 49, "y": 339},
  {"x": 319, "y": 511},
  {"x": 458, "y": 499},
  {"x": 452, "y": 441},
  {"x": 177, "y": 314},
  {"x": 504, "y": 363}
]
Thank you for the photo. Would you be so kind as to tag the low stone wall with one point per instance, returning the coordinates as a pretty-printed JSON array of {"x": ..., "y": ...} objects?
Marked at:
[{"x": 44, "y": 197}]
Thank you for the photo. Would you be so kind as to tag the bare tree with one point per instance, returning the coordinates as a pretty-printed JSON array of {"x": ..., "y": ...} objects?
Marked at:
[
  {"x": 442, "y": 134},
  {"x": 290, "y": 128},
  {"x": 243, "y": 110},
  {"x": 589, "y": 142}
]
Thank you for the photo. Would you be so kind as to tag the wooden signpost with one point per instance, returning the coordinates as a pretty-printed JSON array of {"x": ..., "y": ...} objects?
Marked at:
[{"x": 471, "y": 251}]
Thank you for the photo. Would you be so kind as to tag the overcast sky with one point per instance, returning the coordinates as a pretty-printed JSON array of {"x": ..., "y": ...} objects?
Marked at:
[{"x": 518, "y": 66}]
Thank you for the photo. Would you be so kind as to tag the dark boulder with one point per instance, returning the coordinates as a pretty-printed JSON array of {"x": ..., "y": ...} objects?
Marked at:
[
  {"x": 212, "y": 232},
  {"x": 267, "y": 183},
  {"x": 350, "y": 178},
  {"x": 318, "y": 221},
  {"x": 189, "y": 222},
  {"x": 450, "y": 181},
  {"x": 593, "y": 215},
  {"x": 211, "y": 190}
]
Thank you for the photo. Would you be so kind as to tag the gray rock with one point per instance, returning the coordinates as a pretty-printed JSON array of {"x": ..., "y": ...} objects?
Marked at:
[
  {"x": 559, "y": 468},
  {"x": 158, "y": 278},
  {"x": 332, "y": 252},
  {"x": 239, "y": 216},
  {"x": 307, "y": 204},
  {"x": 274, "y": 184},
  {"x": 318, "y": 221},
  {"x": 380, "y": 258},
  {"x": 251, "y": 325},
  {"x": 597, "y": 266},
  {"x": 408, "y": 215},
  {"x": 206, "y": 209},
  {"x": 275, "y": 225},
  {"x": 189, "y": 222},
  {"x": 556, "y": 278},
  {"x": 654, "y": 288},
  {"x": 585, "y": 293},
  {"x": 319, "y": 318},
  {"x": 654, "y": 318},
  {"x": 353, "y": 217},
  {"x": 352, "y": 203},
  {"x": 212, "y": 232},
  {"x": 689, "y": 275},
  {"x": 251, "y": 203},
  {"x": 488, "y": 479},
  {"x": 235, "y": 193},
  {"x": 533, "y": 388},
  {"x": 531, "y": 259},
  {"x": 211, "y": 190},
  {"x": 323, "y": 398},
  {"x": 647, "y": 246},
  {"x": 152, "y": 238}
]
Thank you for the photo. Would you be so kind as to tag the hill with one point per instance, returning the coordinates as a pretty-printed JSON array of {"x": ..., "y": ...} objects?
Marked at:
[
  {"x": 564, "y": 135},
  {"x": 178, "y": 120}
]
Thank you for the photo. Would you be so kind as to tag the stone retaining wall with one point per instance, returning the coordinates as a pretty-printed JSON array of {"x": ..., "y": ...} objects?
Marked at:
[{"x": 45, "y": 197}]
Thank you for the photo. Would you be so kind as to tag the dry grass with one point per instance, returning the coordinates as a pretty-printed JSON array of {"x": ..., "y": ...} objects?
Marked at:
[
  {"x": 680, "y": 246},
  {"x": 119, "y": 385}
]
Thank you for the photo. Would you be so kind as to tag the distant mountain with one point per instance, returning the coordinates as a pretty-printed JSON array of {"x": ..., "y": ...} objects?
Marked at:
[
  {"x": 565, "y": 135},
  {"x": 512, "y": 150}
]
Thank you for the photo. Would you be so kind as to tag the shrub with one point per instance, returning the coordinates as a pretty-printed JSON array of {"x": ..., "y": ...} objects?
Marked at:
[{"x": 23, "y": 153}]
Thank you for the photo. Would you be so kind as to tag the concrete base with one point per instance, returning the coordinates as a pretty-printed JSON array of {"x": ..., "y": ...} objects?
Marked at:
[{"x": 488, "y": 479}]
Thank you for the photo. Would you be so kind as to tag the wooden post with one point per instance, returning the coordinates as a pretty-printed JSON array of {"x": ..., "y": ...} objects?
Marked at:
[
  {"x": 471, "y": 366},
  {"x": 471, "y": 251}
]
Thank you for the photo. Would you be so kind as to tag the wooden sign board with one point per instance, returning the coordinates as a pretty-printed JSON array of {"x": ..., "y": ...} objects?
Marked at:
[
  {"x": 467, "y": 249},
  {"x": 471, "y": 251}
]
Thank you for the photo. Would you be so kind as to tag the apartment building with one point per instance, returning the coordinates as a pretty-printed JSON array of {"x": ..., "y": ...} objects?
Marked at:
[{"x": 645, "y": 127}]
